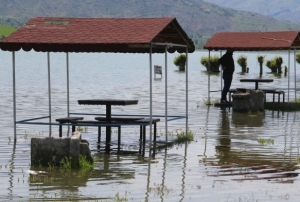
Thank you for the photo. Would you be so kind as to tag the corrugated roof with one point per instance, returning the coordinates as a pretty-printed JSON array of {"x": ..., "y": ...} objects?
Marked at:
[
  {"x": 133, "y": 35},
  {"x": 254, "y": 41}
]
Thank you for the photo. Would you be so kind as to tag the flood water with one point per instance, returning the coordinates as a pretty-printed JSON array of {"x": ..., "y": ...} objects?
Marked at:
[{"x": 234, "y": 156}]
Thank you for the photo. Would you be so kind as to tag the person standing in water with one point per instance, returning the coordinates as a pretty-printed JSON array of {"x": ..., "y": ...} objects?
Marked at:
[{"x": 227, "y": 64}]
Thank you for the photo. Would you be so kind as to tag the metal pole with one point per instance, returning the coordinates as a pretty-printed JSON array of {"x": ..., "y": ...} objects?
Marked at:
[
  {"x": 14, "y": 94},
  {"x": 49, "y": 94},
  {"x": 221, "y": 74},
  {"x": 208, "y": 76},
  {"x": 289, "y": 77},
  {"x": 295, "y": 71},
  {"x": 150, "y": 69},
  {"x": 186, "y": 93},
  {"x": 68, "y": 83},
  {"x": 166, "y": 93}
]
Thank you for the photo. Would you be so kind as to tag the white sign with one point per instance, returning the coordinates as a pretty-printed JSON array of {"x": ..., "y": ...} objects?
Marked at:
[{"x": 157, "y": 70}]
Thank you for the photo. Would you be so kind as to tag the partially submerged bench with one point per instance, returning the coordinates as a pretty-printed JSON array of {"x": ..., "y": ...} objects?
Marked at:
[
  {"x": 114, "y": 122},
  {"x": 275, "y": 92},
  {"x": 266, "y": 91},
  {"x": 67, "y": 120}
]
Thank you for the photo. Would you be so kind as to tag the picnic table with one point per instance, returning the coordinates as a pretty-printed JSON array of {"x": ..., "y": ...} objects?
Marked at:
[
  {"x": 256, "y": 81},
  {"x": 108, "y": 103}
]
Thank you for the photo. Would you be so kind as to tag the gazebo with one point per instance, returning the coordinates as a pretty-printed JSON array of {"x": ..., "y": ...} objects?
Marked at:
[
  {"x": 114, "y": 35},
  {"x": 255, "y": 41}
]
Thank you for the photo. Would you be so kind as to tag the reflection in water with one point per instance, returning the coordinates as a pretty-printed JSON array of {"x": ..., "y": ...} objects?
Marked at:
[
  {"x": 164, "y": 176},
  {"x": 148, "y": 181},
  {"x": 183, "y": 173},
  {"x": 223, "y": 147},
  {"x": 247, "y": 119},
  {"x": 11, "y": 166},
  {"x": 249, "y": 164}
]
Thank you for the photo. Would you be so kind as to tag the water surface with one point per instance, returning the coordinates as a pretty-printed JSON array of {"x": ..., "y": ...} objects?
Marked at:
[{"x": 234, "y": 156}]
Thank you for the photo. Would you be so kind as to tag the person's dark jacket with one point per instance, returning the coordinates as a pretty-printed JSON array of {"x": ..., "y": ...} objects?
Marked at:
[{"x": 227, "y": 61}]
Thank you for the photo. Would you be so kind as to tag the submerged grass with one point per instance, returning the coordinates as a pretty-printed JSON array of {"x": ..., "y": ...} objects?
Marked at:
[
  {"x": 84, "y": 163},
  {"x": 265, "y": 141},
  {"x": 183, "y": 137},
  {"x": 180, "y": 138}
]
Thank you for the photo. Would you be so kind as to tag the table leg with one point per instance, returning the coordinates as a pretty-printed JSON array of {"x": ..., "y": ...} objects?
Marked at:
[
  {"x": 119, "y": 138},
  {"x": 60, "y": 130},
  {"x": 108, "y": 129},
  {"x": 141, "y": 139},
  {"x": 99, "y": 134},
  {"x": 256, "y": 85},
  {"x": 154, "y": 132},
  {"x": 144, "y": 139}
]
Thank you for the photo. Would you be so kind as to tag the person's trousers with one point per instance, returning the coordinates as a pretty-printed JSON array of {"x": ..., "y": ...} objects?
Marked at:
[{"x": 227, "y": 83}]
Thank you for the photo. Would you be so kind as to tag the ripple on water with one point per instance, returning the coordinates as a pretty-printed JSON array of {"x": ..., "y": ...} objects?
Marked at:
[{"x": 234, "y": 156}]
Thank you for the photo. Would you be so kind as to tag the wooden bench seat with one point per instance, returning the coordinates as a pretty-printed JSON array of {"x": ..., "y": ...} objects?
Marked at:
[
  {"x": 121, "y": 119},
  {"x": 67, "y": 120}
]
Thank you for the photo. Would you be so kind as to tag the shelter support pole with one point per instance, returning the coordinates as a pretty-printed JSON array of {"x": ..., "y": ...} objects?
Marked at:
[
  {"x": 14, "y": 94},
  {"x": 295, "y": 72},
  {"x": 68, "y": 84},
  {"x": 150, "y": 69},
  {"x": 289, "y": 77},
  {"x": 166, "y": 93},
  {"x": 49, "y": 93},
  {"x": 186, "y": 92},
  {"x": 208, "y": 77},
  {"x": 221, "y": 75}
]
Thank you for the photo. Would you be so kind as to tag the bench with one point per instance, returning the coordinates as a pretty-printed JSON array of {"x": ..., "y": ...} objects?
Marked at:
[
  {"x": 67, "y": 120},
  {"x": 278, "y": 92},
  {"x": 99, "y": 124},
  {"x": 115, "y": 122},
  {"x": 266, "y": 91},
  {"x": 143, "y": 130}
]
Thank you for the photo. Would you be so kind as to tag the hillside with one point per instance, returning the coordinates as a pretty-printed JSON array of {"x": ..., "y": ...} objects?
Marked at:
[
  {"x": 199, "y": 19},
  {"x": 287, "y": 10},
  {"x": 5, "y": 31}
]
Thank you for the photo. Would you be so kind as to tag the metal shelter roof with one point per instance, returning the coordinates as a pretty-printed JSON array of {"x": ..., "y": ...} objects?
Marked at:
[
  {"x": 124, "y": 35},
  {"x": 254, "y": 41}
]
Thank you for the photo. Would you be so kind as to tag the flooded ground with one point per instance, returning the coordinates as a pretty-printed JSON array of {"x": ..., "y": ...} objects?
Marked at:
[{"x": 234, "y": 156}]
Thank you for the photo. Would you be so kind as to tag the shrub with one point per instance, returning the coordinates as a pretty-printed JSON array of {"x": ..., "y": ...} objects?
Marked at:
[
  {"x": 179, "y": 59},
  {"x": 242, "y": 61},
  {"x": 275, "y": 64},
  {"x": 214, "y": 63},
  {"x": 298, "y": 58},
  {"x": 261, "y": 59}
]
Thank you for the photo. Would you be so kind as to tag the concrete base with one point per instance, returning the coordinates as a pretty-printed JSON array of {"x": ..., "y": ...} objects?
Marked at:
[
  {"x": 252, "y": 100},
  {"x": 51, "y": 150}
]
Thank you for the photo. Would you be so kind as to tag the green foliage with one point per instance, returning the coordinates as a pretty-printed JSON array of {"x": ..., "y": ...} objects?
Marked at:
[
  {"x": 66, "y": 163},
  {"x": 179, "y": 59},
  {"x": 182, "y": 137},
  {"x": 298, "y": 58},
  {"x": 84, "y": 163},
  {"x": 261, "y": 59},
  {"x": 117, "y": 198},
  {"x": 6, "y": 31},
  {"x": 214, "y": 62},
  {"x": 242, "y": 61},
  {"x": 275, "y": 64},
  {"x": 265, "y": 141}
]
